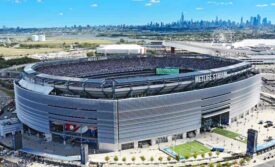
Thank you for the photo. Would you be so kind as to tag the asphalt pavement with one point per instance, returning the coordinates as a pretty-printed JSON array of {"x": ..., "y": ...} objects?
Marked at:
[{"x": 267, "y": 164}]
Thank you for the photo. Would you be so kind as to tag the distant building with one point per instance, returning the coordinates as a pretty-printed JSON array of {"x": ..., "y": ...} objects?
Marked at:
[
  {"x": 121, "y": 49},
  {"x": 254, "y": 43},
  {"x": 39, "y": 38},
  {"x": 10, "y": 126}
]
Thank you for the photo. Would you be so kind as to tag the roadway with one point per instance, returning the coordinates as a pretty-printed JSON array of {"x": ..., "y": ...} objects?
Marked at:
[
  {"x": 205, "y": 48},
  {"x": 12, "y": 68},
  {"x": 267, "y": 164}
]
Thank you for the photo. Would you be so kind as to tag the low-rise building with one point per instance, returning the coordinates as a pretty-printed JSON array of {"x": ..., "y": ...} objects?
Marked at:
[
  {"x": 10, "y": 126},
  {"x": 121, "y": 49}
]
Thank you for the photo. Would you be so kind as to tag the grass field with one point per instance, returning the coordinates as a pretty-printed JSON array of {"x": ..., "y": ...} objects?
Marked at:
[
  {"x": 189, "y": 148},
  {"x": 51, "y": 45},
  {"x": 23, "y": 52},
  {"x": 53, "y": 41},
  {"x": 228, "y": 134}
]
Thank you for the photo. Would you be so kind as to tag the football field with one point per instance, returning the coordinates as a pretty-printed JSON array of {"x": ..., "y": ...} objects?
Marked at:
[{"x": 190, "y": 148}]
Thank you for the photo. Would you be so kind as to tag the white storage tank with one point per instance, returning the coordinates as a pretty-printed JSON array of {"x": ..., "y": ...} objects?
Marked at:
[
  {"x": 42, "y": 38},
  {"x": 35, "y": 38}
]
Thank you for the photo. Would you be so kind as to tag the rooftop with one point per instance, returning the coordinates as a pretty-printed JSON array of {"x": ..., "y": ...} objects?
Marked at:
[
  {"x": 254, "y": 42},
  {"x": 121, "y": 46}
]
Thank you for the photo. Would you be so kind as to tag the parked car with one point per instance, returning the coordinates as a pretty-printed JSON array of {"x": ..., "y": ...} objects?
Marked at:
[
  {"x": 268, "y": 125},
  {"x": 269, "y": 122}
]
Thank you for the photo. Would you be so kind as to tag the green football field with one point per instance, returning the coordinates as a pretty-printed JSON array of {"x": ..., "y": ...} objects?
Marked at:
[
  {"x": 189, "y": 148},
  {"x": 228, "y": 134}
]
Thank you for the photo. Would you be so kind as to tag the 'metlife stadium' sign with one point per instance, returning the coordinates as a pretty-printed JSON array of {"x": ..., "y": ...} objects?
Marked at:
[{"x": 210, "y": 77}]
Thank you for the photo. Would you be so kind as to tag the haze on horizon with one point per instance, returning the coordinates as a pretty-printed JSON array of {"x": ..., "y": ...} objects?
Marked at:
[{"x": 58, "y": 13}]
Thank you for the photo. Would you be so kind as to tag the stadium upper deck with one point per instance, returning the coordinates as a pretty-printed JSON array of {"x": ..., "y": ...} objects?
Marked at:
[
  {"x": 93, "y": 69},
  {"x": 131, "y": 76}
]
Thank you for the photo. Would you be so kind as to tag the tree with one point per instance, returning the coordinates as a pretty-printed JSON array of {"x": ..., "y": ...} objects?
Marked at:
[
  {"x": 142, "y": 158},
  {"x": 168, "y": 158},
  {"x": 160, "y": 159},
  {"x": 107, "y": 158},
  {"x": 218, "y": 153},
  {"x": 177, "y": 157},
  {"x": 152, "y": 159},
  {"x": 121, "y": 40},
  {"x": 247, "y": 159},
  {"x": 211, "y": 165},
  {"x": 210, "y": 154},
  {"x": 124, "y": 159},
  {"x": 227, "y": 164},
  {"x": 133, "y": 159},
  {"x": 203, "y": 155},
  {"x": 89, "y": 54},
  {"x": 242, "y": 162},
  {"x": 115, "y": 158},
  {"x": 219, "y": 165},
  {"x": 186, "y": 156},
  {"x": 195, "y": 155}
]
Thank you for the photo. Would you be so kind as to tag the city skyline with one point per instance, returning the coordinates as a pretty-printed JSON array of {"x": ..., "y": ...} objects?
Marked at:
[
  {"x": 182, "y": 23},
  {"x": 50, "y": 13}
]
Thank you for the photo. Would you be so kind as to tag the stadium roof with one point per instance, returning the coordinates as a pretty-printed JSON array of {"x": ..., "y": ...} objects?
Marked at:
[{"x": 37, "y": 88}]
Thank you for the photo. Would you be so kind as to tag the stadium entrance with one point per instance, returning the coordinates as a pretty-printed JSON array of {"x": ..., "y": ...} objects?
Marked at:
[
  {"x": 74, "y": 134},
  {"x": 211, "y": 121}
]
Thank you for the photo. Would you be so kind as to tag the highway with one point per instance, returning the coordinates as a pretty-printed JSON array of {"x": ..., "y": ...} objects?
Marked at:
[
  {"x": 205, "y": 48},
  {"x": 12, "y": 68}
]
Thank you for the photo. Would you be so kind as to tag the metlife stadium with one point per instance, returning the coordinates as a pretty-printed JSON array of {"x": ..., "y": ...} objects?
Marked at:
[{"x": 121, "y": 102}]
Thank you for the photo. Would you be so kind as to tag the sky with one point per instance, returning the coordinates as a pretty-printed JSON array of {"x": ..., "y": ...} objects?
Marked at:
[{"x": 56, "y": 13}]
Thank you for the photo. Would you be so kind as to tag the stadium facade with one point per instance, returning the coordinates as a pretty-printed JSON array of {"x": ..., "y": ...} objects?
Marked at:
[{"x": 115, "y": 103}]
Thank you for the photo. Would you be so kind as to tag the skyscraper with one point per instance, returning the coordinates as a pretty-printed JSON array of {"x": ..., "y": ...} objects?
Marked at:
[
  {"x": 259, "y": 21},
  {"x": 182, "y": 19},
  {"x": 241, "y": 23}
]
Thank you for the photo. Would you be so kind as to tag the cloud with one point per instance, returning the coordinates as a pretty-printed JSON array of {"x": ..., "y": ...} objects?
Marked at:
[
  {"x": 138, "y": 0},
  {"x": 39, "y": 1},
  {"x": 61, "y": 14},
  {"x": 152, "y": 2},
  {"x": 199, "y": 8},
  {"x": 272, "y": 4},
  {"x": 221, "y": 3},
  {"x": 95, "y": 5},
  {"x": 261, "y": 5},
  {"x": 18, "y": 1}
]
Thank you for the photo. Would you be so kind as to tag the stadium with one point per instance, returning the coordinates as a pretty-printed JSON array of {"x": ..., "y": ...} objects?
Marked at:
[{"x": 120, "y": 102}]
